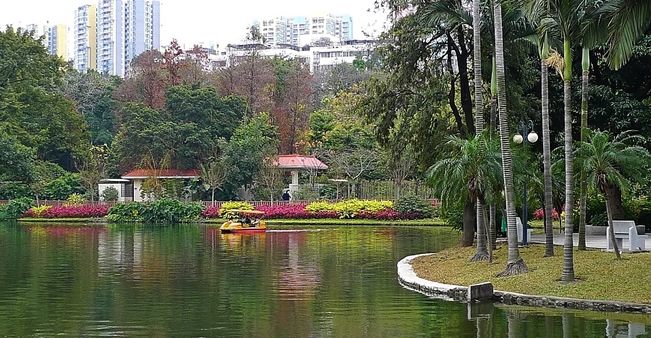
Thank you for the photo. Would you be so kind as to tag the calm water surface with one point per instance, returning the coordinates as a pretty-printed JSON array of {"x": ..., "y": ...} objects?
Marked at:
[{"x": 190, "y": 280}]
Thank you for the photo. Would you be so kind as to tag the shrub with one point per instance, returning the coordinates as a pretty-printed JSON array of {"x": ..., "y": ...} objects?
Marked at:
[
  {"x": 233, "y": 205},
  {"x": 126, "y": 212},
  {"x": 37, "y": 211},
  {"x": 414, "y": 204},
  {"x": 349, "y": 208},
  {"x": 17, "y": 207},
  {"x": 110, "y": 194},
  {"x": 76, "y": 211},
  {"x": 210, "y": 212},
  {"x": 293, "y": 211},
  {"x": 539, "y": 214},
  {"x": 167, "y": 210},
  {"x": 74, "y": 200}
]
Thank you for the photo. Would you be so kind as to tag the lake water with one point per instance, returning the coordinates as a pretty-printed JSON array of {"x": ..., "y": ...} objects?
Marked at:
[{"x": 190, "y": 280}]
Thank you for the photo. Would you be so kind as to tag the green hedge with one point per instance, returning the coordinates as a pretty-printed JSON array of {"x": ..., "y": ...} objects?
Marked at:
[{"x": 165, "y": 210}]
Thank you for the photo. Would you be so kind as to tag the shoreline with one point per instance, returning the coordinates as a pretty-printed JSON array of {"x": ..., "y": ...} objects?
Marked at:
[{"x": 408, "y": 278}]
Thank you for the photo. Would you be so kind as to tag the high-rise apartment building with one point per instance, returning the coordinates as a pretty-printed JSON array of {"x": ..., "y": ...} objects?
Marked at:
[
  {"x": 57, "y": 40},
  {"x": 84, "y": 47},
  {"x": 282, "y": 30},
  {"x": 108, "y": 36},
  {"x": 141, "y": 28}
]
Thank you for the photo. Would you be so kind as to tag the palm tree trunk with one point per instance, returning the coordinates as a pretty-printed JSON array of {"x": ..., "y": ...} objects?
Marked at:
[
  {"x": 515, "y": 264},
  {"x": 611, "y": 231},
  {"x": 585, "y": 62},
  {"x": 468, "y": 224},
  {"x": 212, "y": 197},
  {"x": 547, "y": 171},
  {"x": 481, "y": 253},
  {"x": 568, "y": 245}
]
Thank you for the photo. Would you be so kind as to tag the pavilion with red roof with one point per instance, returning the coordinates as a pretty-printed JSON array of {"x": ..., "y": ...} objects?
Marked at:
[{"x": 296, "y": 163}]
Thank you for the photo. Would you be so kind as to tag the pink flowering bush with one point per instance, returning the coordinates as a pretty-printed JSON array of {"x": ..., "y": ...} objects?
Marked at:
[
  {"x": 539, "y": 214},
  {"x": 71, "y": 211},
  {"x": 210, "y": 212},
  {"x": 293, "y": 211}
]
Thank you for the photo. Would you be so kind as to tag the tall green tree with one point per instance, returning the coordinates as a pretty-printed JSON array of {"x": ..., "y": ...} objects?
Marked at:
[
  {"x": 515, "y": 263},
  {"x": 31, "y": 107},
  {"x": 250, "y": 144},
  {"x": 611, "y": 164}
]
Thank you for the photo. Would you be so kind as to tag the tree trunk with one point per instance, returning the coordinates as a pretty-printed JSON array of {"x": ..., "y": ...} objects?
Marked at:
[
  {"x": 481, "y": 253},
  {"x": 568, "y": 245},
  {"x": 212, "y": 197},
  {"x": 611, "y": 231},
  {"x": 515, "y": 264},
  {"x": 616, "y": 208},
  {"x": 585, "y": 62},
  {"x": 468, "y": 224},
  {"x": 492, "y": 231},
  {"x": 547, "y": 172}
]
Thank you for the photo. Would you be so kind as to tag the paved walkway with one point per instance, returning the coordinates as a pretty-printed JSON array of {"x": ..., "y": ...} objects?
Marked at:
[{"x": 598, "y": 242}]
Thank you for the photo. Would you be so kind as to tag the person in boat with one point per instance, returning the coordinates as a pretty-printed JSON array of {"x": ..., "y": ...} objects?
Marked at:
[
  {"x": 255, "y": 222},
  {"x": 247, "y": 221}
]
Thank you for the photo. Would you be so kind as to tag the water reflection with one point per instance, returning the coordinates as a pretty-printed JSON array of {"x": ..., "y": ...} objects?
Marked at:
[
  {"x": 535, "y": 322},
  {"x": 190, "y": 280}
]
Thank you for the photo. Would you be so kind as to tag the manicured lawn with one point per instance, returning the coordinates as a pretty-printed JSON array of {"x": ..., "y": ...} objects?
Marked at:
[{"x": 600, "y": 276}]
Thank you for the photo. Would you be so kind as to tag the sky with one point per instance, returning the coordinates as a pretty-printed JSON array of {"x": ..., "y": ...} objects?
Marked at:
[{"x": 202, "y": 21}]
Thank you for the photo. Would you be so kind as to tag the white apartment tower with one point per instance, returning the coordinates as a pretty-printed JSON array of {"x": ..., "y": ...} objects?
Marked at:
[
  {"x": 141, "y": 28},
  {"x": 125, "y": 29},
  {"x": 110, "y": 37},
  {"x": 282, "y": 30},
  {"x": 84, "y": 48}
]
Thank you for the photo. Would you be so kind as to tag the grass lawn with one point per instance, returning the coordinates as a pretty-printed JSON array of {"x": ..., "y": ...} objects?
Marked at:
[
  {"x": 599, "y": 275},
  {"x": 337, "y": 221}
]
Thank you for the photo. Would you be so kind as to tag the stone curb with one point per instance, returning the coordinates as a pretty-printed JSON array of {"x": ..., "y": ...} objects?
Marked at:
[{"x": 408, "y": 278}]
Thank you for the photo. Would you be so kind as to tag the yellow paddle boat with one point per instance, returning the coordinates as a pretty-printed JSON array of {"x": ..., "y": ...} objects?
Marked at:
[{"x": 244, "y": 222}]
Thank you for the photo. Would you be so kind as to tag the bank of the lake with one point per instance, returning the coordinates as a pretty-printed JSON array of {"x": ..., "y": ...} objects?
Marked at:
[{"x": 599, "y": 275}]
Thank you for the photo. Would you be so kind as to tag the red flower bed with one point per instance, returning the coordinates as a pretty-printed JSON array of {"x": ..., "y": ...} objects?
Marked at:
[
  {"x": 539, "y": 214},
  {"x": 82, "y": 211},
  {"x": 210, "y": 212},
  {"x": 293, "y": 211}
]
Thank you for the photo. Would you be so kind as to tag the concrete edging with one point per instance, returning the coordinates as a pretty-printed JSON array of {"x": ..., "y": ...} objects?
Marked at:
[{"x": 408, "y": 278}]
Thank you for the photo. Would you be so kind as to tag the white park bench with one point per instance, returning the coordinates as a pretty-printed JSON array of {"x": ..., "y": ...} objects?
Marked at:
[{"x": 626, "y": 229}]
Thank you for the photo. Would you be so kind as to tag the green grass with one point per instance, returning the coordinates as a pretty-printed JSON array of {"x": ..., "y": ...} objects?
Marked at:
[{"x": 600, "y": 276}]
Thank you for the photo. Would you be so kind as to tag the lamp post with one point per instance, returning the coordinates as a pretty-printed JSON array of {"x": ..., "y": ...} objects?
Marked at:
[{"x": 532, "y": 137}]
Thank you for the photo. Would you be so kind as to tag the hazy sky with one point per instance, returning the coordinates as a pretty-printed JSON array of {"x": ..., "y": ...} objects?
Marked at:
[{"x": 201, "y": 21}]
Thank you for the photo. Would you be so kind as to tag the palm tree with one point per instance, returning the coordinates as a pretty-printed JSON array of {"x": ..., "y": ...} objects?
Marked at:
[
  {"x": 610, "y": 164},
  {"x": 467, "y": 174},
  {"x": 547, "y": 171},
  {"x": 565, "y": 17},
  {"x": 482, "y": 227},
  {"x": 622, "y": 23},
  {"x": 515, "y": 263},
  {"x": 585, "y": 65}
]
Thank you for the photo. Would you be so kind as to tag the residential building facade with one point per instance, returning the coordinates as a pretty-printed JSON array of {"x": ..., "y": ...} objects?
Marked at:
[
  {"x": 84, "y": 44},
  {"x": 301, "y": 30},
  {"x": 57, "y": 40}
]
